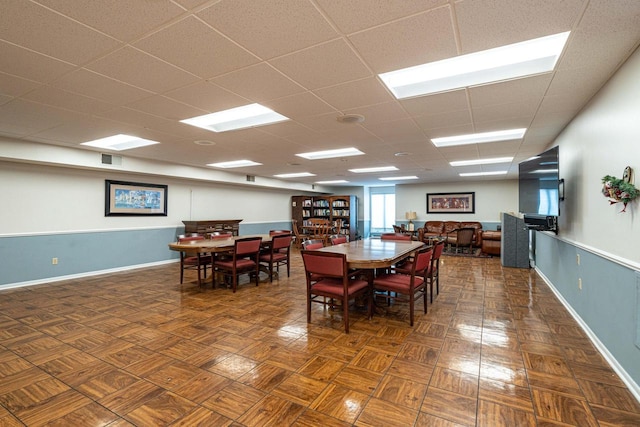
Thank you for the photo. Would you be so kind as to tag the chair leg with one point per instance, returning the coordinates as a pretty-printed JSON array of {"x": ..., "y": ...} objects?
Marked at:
[{"x": 345, "y": 313}]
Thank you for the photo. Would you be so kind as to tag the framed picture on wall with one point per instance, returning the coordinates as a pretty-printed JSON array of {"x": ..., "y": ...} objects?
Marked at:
[
  {"x": 122, "y": 198},
  {"x": 451, "y": 202}
]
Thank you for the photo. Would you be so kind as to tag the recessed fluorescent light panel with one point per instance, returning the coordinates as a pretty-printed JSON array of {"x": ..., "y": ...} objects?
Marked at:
[
  {"x": 481, "y": 161},
  {"x": 378, "y": 169},
  {"x": 120, "y": 142},
  {"x": 328, "y": 154},
  {"x": 295, "y": 175},
  {"x": 479, "y": 138},
  {"x": 483, "y": 173},
  {"x": 337, "y": 181},
  {"x": 513, "y": 61},
  {"x": 236, "y": 118},
  {"x": 398, "y": 178},
  {"x": 234, "y": 164}
]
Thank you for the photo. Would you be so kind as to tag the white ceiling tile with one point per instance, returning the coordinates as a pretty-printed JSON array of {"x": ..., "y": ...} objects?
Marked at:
[
  {"x": 67, "y": 100},
  {"x": 165, "y": 107},
  {"x": 300, "y": 105},
  {"x": 21, "y": 117},
  {"x": 258, "y": 83},
  {"x": 452, "y": 119},
  {"x": 11, "y": 86},
  {"x": 97, "y": 86},
  {"x": 522, "y": 108},
  {"x": 436, "y": 104},
  {"x": 122, "y": 20},
  {"x": 30, "y": 65},
  {"x": 139, "y": 69},
  {"x": 42, "y": 30},
  {"x": 485, "y": 24},
  {"x": 207, "y": 96},
  {"x": 355, "y": 15},
  {"x": 529, "y": 88},
  {"x": 269, "y": 28},
  {"x": 380, "y": 113},
  {"x": 412, "y": 41},
  {"x": 193, "y": 46},
  {"x": 357, "y": 93},
  {"x": 324, "y": 65}
]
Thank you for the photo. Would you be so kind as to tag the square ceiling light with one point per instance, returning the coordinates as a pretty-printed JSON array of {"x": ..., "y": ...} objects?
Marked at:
[
  {"x": 398, "y": 178},
  {"x": 120, "y": 142},
  {"x": 328, "y": 154},
  {"x": 481, "y": 161},
  {"x": 479, "y": 138},
  {"x": 248, "y": 116},
  {"x": 513, "y": 61},
  {"x": 483, "y": 173},
  {"x": 377, "y": 169},
  {"x": 235, "y": 164},
  {"x": 295, "y": 175},
  {"x": 337, "y": 181}
]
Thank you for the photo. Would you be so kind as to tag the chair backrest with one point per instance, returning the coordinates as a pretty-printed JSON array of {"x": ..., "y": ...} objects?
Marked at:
[
  {"x": 277, "y": 232},
  {"x": 438, "y": 248},
  {"x": 190, "y": 238},
  {"x": 336, "y": 240},
  {"x": 281, "y": 241},
  {"x": 422, "y": 260},
  {"x": 464, "y": 236},
  {"x": 326, "y": 264},
  {"x": 247, "y": 246},
  {"x": 220, "y": 235},
  {"x": 312, "y": 244},
  {"x": 397, "y": 229},
  {"x": 294, "y": 226},
  {"x": 395, "y": 236}
]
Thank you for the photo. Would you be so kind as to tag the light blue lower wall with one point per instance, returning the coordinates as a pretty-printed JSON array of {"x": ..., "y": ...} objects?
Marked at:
[
  {"x": 25, "y": 259},
  {"x": 607, "y": 302}
]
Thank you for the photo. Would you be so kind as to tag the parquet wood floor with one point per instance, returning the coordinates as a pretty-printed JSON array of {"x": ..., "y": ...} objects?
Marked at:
[{"x": 136, "y": 348}]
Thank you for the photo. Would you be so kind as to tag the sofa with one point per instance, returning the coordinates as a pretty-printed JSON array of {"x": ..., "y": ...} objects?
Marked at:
[
  {"x": 491, "y": 242},
  {"x": 446, "y": 229}
]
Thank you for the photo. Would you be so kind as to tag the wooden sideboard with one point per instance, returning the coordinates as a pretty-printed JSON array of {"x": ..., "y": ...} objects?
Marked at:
[{"x": 212, "y": 225}]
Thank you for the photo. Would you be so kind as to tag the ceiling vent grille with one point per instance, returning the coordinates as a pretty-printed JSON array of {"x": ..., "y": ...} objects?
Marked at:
[
  {"x": 251, "y": 178},
  {"x": 109, "y": 159}
]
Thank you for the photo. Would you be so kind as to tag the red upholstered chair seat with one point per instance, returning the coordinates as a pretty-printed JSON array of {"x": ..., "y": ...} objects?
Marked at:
[
  {"x": 329, "y": 281},
  {"x": 279, "y": 253},
  {"x": 391, "y": 285}
]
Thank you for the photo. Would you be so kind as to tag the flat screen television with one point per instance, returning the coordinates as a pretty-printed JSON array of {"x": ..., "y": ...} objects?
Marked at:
[{"x": 539, "y": 190}]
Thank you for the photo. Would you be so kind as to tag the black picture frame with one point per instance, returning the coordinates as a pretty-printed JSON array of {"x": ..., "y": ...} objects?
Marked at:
[
  {"x": 124, "y": 198},
  {"x": 459, "y": 203}
]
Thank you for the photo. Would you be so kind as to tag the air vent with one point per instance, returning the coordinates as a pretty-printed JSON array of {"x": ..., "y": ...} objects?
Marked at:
[
  {"x": 251, "y": 178},
  {"x": 350, "y": 118},
  {"x": 109, "y": 159}
]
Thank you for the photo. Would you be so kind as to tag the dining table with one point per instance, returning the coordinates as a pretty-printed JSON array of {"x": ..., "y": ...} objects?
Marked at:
[
  {"x": 214, "y": 245},
  {"x": 374, "y": 253}
]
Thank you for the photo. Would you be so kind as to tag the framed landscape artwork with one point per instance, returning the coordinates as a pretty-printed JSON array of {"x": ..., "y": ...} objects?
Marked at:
[
  {"x": 124, "y": 198},
  {"x": 451, "y": 202}
]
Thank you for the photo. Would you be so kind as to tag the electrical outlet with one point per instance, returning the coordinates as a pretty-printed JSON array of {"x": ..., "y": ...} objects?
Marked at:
[
  {"x": 580, "y": 283},
  {"x": 578, "y": 259},
  {"x": 54, "y": 261}
]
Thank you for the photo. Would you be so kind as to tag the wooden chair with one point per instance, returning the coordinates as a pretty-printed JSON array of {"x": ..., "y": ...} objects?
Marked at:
[
  {"x": 277, "y": 232},
  {"x": 328, "y": 278},
  {"x": 462, "y": 238},
  {"x": 243, "y": 259},
  {"x": 433, "y": 273},
  {"x": 396, "y": 283},
  {"x": 279, "y": 253},
  {"x": 299, "y": 236},
  {"x": 193, "y": 261},
  {"x": 321, "y": 231},
  {"x": 336, "y": 240},
  {"x": 395, "y": 236},
  {"x": 312, "y": 244}
]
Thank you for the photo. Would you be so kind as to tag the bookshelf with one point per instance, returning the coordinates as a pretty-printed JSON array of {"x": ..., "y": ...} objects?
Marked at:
[{"x": 341, "y": 210}]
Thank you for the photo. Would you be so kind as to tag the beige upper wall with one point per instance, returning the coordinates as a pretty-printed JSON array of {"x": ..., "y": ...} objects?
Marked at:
[
  {"x": 602, "y": 140},
  {"x": 492, "y": 198}
]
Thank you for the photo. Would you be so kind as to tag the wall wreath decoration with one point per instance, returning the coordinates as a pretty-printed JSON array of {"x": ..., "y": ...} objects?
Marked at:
[{"x": 620, "y": 190}]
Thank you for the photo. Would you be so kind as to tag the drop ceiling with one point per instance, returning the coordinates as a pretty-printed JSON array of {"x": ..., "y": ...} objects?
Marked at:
[{"x": 78, "y": 70}]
